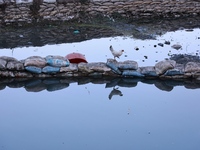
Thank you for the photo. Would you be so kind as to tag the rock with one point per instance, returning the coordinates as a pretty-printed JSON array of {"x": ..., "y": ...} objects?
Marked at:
[
  {"x": 148, "y": 71},
  {"x": 35, "y": 61},
  {"x": 162, "y": 66},
  {"x": 192, "y": 67}
]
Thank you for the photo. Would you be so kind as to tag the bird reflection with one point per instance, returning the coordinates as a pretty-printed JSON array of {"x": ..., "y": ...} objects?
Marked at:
[{"x": 115, "y": 91}]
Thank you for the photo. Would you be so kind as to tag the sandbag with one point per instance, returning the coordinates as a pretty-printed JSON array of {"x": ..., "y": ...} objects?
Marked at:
[
  {"x": 33, "y": 69},
  {"x": 132, "y": 73},
  {"x": 2, "y": 64},
  {"x": 57, "y": 62},
  {"x": 173, "y": 72},
  {"x": 114, "y": 68},
  {"x": 35, "y": 61},
  {"x": 50, "y": 69},
  {"x": 127, "y": 65}
]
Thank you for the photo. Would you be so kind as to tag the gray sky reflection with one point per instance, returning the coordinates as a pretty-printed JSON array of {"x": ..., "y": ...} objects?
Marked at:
[{"x": 82, "y": 117}]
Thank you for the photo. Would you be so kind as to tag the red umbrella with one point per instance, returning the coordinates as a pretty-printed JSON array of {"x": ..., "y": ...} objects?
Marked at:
[{"x": 76, "y": 58}]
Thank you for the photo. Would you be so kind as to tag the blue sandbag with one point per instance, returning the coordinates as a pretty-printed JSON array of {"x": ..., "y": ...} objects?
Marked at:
[
  {"x": 173, "y": 72},
  {"x": 114, "y": 68},
  {"x": 50, "y": 69},
  {"x": 57, "y": 62},
  {"x": 33, "y": 69},
  {"x": 132, "y": 73},
  {"x": 151, "y": 74}
]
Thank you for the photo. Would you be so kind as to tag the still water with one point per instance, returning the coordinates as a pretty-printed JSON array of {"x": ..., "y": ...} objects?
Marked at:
[
  {"x": 89, "y": 116},
  {"x": 97, "y": 50},
  {"x": 95, "y": 116}
]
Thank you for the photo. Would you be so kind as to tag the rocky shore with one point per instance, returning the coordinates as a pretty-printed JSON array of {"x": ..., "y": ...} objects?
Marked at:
[{"x": 178, "y": 67}]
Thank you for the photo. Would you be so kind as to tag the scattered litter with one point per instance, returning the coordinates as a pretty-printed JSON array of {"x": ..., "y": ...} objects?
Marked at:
[
  {"x": 76, "y": 32},
  {"x": 176, "y": 46},
  {"x": 161, "y": 44},
  {"x": 136, "y": 48},
  {"x": 167, "y": 42}
]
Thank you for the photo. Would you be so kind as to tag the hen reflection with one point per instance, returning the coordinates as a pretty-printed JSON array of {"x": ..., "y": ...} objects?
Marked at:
[{"x": 115, "y": 91}]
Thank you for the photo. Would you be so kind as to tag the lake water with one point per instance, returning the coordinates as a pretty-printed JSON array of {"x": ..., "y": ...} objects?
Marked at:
[
  {"x": 89, "y": 116},
  {"x": 142, "y": 115}
]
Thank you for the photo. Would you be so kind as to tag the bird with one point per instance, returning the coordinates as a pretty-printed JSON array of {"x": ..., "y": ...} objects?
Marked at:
[{"x": 116, "y": 53}]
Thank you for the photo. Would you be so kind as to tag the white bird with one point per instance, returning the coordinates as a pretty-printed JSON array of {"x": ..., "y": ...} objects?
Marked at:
[{"x": 116, "y": 53}]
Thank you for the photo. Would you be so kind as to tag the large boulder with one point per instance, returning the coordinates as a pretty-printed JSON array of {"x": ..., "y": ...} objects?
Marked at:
[
  {"x": 162, "y": 66},
  {"x": 35, "y": 61}
]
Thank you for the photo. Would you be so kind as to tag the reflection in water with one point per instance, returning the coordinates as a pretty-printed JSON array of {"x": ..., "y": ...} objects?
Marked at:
[
  {"x": 115, "y": 91},
  {"x": 54, "y": 84},
  {"x": 143, "y": 118}
]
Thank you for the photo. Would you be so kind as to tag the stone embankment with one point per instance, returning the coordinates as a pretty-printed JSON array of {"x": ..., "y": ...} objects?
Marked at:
[
  {"x": 54, "y": 10},
  {"x": 58, "y": 66}
]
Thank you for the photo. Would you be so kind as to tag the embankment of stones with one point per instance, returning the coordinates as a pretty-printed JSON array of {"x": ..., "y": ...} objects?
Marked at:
[
  {"x": 54, "y": 10},
  {"x": 58, "y": 66}
]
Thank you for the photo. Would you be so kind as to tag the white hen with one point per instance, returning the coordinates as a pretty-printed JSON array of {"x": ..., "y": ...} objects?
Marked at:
[{"x": 116, "y": 53}]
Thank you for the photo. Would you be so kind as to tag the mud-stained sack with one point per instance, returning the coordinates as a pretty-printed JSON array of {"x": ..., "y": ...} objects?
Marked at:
[
  {"x": 33, "y": 69},
  {"x": 57, "y": 62},
  {"x": 35, "y": 61},
  {"x": 51, "y": 70}
]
